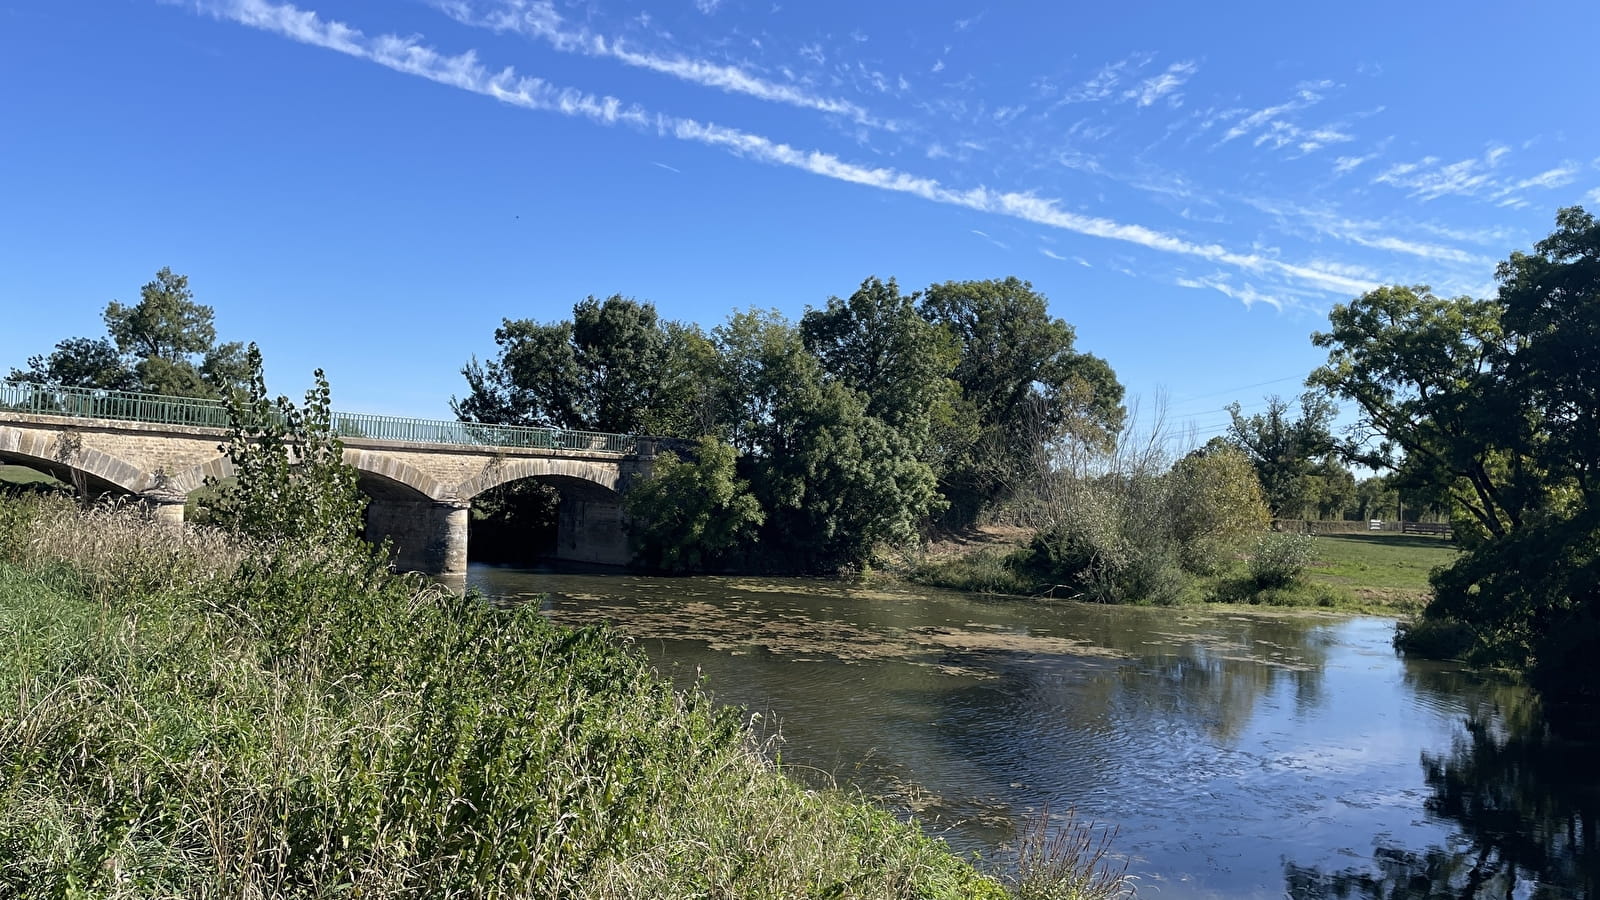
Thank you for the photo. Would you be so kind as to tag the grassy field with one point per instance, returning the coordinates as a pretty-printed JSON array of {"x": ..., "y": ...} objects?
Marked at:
[
  {"x": 22, "y": 475},
  {"x": 1381, "y": 570}
]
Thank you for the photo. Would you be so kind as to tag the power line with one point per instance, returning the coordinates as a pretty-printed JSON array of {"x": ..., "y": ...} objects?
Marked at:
[{"x": 1245, "y": 387}]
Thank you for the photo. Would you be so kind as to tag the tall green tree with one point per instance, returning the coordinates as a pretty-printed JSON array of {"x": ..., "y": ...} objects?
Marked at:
[
  {"x": 1550, "y": 301},
  {"x": 620, "y": 347},
  {"x": 689, "y": 399},
  {"x": 1289, "y": 453},
  {"x": 833, "y": 480},
  {"x": 80, "y": 362},
  {"x": 534, "y": 381},
  {"x": 692, "y": 512},
  {"x": 1375, "y": 498},
  {"x": 1426, "y": 376},
  {"x": 1333, "y": 489},
  {"x": 876, "y": 342},
  {"x": 844, "y": 483},
  {"x": 611, "y": 367},
  {"x": 164, "y": 344},
  {"x": 1023, "y": 386},
  {"x": 761, "y": 361},
  {"x": 1496, "y": 402}
]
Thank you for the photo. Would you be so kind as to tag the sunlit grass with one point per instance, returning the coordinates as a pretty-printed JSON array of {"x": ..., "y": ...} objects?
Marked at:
[
  {"x": 1381, "y": 568},
  {"x": 24, "y": 476},
  {"x": 1380, "y": 573}
]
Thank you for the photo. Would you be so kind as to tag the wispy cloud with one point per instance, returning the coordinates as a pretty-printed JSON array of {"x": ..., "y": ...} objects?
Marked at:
[
  {"x": 1345, "y": 164},
  {"x": 1593, "y": 196},
  {"x": 1266, "y": 116},
  {"x": 1364, "y": 233},
  {"x": 1415, "y": 248},
  {"x": 1429, "y": 179},
  {"x": 1072, "y": 259},
  {"x": 1103, "y": 83},
  {"x": 465, "y": 72},
  {"x": 540, "y": 20},
  {"x": 707, "y": 7},
  {"x": 1245, "y": 294},
  {"x": 1561, "y": 175},
  {"x": 1275, "y": 129},
  {"x": 1163, "y": 85},
  {"x": 986, "y": 236}
]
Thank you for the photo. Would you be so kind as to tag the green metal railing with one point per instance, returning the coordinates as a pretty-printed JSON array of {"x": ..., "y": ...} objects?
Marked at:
[
  {"x": 472, "y": 434},
  {"x": 88, "y": 403},
  {"x": 91, "y": 403}
]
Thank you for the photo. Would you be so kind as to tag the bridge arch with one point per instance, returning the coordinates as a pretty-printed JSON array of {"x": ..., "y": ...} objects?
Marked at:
[
  {"x": 576, "y": 475},
  {"x": 380, "y": 469},
  {"x": 589, "y": 516},
  {"x": 379, "y": 474},
  {"x": 46, "y": 451},
  {"x": 193, "y": 478}
]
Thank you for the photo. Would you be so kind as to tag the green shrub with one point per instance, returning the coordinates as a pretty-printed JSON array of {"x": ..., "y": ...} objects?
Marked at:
[
  {"x": 690, "y": 514},
  {"x": 1280, "y": 559},
  {"x": 1105, "y": 566},
  {"x": 1435, "y": 638},
  {"x": 1215, "y": 505},
  {"x": 985, "y": 571}
]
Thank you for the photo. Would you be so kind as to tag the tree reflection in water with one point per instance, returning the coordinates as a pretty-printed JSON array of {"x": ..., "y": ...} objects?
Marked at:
[{"x": 1521, "y": 790}]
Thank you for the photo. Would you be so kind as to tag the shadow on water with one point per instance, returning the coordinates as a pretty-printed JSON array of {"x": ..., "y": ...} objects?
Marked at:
[{"x": 1520, "y": 791}]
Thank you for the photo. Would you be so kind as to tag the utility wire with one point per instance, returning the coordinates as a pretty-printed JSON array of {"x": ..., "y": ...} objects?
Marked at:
[{"x": 1236, "y": 389}]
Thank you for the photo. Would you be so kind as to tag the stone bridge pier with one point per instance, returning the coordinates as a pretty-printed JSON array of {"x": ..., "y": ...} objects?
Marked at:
[{"x": 427, "y": 535}]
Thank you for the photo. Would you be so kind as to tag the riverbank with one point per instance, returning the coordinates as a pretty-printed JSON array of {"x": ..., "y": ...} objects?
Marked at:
[
  {"x": 1378, "y": 573},
  {"x": 191, "y": 716}
]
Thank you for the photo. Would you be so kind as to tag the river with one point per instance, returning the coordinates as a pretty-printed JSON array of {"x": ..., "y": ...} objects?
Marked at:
[{"x": 1237, "y": 755}]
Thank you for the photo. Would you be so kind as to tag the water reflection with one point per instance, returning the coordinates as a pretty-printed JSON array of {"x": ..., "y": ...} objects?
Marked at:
[
  {"x": 1520, "y": 791},
  {"x": 1228, "y": 749}
]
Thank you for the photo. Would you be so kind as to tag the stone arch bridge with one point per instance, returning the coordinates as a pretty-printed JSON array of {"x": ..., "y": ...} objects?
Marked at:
[{"x": 421, "y": 475}]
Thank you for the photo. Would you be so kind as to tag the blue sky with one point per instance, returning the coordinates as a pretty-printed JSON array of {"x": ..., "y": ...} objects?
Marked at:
[{"x": 370, "y": 187}]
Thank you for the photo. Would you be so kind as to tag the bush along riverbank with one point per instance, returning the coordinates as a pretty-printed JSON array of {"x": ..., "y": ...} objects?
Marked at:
[
  {"x": 200, "y": 715},
  {"x": 1383, "y": 574}
]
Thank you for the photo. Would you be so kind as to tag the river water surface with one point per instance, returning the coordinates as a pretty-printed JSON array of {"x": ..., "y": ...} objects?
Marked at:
[{"x": 1237, "y": 754}]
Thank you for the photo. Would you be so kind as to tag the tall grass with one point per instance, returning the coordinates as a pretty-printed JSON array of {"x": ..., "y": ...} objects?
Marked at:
[
  {"x": 983, "y": 571},
  {"x": 188, "y": 715}
]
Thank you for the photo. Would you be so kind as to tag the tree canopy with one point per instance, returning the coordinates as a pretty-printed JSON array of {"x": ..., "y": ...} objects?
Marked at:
[
  {"x": 1022, "y": 384},
  {"x": 1291, "y": 455},
  {"x": 856, "y": 426},
  {"x": 1496, "y": 405},
  {"x": 164, "y": 344}
]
